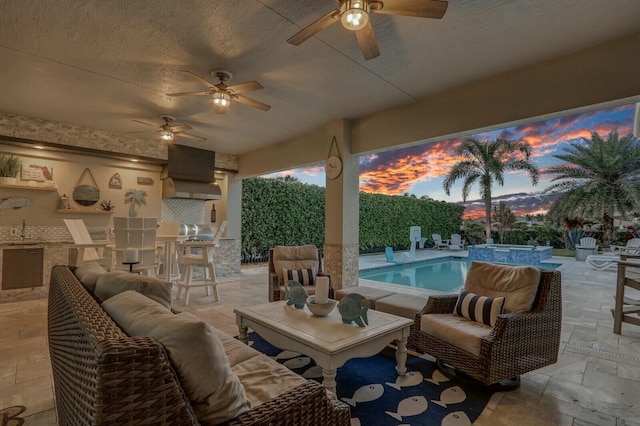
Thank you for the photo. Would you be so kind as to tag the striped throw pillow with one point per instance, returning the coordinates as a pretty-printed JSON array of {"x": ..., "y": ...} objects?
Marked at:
[
  {"x": 303, "y": 276},
  {"x": 477, "y": 308}
]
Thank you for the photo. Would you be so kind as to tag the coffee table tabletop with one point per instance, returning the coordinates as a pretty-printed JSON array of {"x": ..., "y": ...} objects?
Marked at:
[{"x": 327, "y": 340}]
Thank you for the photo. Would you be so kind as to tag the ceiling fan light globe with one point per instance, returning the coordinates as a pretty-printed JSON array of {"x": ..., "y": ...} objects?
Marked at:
[
  {"x": 354, "y": 14},
  {"x": 166, "y": 135},
  {"x": 221, "y": 99}
]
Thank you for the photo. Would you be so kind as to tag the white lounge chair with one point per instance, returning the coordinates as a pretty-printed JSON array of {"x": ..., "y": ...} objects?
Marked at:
[
  {"x": 600, "y": 262},
  {"x": 456, "y": 242},
  {"x": 587, "y": 243},
  {"x": 86, "y": 250},
  {"x": 440, "y": 244},
  {"x": 632, "y": 247}
]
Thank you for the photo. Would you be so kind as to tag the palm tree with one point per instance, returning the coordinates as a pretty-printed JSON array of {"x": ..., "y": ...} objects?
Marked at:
[
  {"x": 601, "y": 178},
  {"x": 135, "y": 197},
  {"x": 486, "y": 162},
  {"x": 504, "y": 219}
]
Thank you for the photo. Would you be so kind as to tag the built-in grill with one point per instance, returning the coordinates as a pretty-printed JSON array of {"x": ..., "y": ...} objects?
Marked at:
[{"x": 196, "y": 232}]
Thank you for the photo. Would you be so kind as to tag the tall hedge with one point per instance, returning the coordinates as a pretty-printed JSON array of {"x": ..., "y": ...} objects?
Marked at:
[{"x": 289, "y": 212}]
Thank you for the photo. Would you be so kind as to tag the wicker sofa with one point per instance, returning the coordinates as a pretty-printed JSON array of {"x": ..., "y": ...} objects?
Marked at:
[{"x": 103, "y": 376}]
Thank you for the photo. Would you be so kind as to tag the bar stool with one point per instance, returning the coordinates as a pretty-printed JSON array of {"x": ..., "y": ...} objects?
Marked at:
[{"x": 188, "y": 260}]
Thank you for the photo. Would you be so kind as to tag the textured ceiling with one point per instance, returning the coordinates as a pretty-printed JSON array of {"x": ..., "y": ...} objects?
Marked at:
[{"x": 101, "y": 63}]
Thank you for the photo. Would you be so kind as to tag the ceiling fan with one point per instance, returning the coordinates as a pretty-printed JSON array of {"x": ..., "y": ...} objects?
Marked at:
[
  {"x": 222, "y": 94},
  {"x": 354, "y": 15},
  {"x": 168, "y": 132}
]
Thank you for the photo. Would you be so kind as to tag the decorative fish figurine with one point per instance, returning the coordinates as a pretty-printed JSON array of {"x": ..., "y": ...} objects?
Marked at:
[
  {"x": 351, "y": 309},
  {"x": 408, "y": 407},
  {"x": 15, "y": 203},
  {"x": 450, "y": 396},
  {"x": 366, "y": 393},
  {"x": 295, "y": 294}
]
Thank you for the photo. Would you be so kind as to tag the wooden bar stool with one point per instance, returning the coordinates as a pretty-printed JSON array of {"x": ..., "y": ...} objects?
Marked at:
[{"x": 188, "y": 260}]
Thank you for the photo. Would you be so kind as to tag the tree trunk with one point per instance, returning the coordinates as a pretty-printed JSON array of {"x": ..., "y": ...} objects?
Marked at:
[{"x": 487, "y": 211}]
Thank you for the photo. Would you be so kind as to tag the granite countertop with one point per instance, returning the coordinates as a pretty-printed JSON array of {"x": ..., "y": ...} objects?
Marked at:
[{"x": 29, "y": 242}]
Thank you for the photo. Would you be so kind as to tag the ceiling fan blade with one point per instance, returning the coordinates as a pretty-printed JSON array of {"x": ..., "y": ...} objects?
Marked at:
[
  {"x": 146, "y": 124},
  {"x": 199, "y": 79},
  {"x": 190, "y": 136},
  {"x": 313, "y": 29},
  {"x": 180, "y": 128},
  {"x": 188, "y": 93},
  {"x": 142, "y": 131},
  {"x": 421, "y": 8},
  {"x": 368, "y": 43},
  {"x": 245, "y": 87},
  {"x": 220, "y": 110},
  {"x": 251, "y": 102}
]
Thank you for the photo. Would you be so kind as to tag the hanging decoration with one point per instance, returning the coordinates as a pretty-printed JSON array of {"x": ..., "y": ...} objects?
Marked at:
[{"x": 86, "y": 194}]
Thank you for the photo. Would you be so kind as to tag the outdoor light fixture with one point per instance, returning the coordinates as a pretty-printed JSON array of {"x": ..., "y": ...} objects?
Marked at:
[
  {"x": 221, "y": 99},
  {"x": 166, "y": 135},
  {"x": 354, "y": 14}
]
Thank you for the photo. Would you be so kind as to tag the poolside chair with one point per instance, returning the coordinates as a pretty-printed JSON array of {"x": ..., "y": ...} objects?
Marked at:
[
  {"x": 586, "y": 248},
  {"x": 600, "y": 262},
  {"x": 439, "y": 242},
  {"x": 456, "y": 242},
  {"x": 388, "y": 251},
  {"x": 632, "y": 247},
  {"x": 523, "y": 337}
]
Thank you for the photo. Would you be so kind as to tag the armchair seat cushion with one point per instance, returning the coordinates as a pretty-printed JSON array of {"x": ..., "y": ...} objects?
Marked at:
[
  {"x": 458, "y": 331},
  {"x": 517, "y": 284}
]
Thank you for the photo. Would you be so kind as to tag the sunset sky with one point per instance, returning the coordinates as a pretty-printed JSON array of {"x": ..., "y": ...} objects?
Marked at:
[{"x": 421, "y": 169}]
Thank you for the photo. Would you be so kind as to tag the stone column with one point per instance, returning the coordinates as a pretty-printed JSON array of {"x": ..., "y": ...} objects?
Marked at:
[{"x": 342, "y": 211}]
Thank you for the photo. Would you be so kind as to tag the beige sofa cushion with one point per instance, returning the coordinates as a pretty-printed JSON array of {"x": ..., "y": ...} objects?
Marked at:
[
  {"x": 265, "y": 379},
  {"x": 371, "y": 294},
  {"x": 195, "y": 351},
  {"x": 458, "y": 331},
  {"x": 403, "y": 305},
  {"x": 115, "y": 282},
  {"x": 518, "y": 284},
  {"x": 294, "y": 257},
  {"x": 235, "y": 350},
  {"x": 88, "y": 274}
]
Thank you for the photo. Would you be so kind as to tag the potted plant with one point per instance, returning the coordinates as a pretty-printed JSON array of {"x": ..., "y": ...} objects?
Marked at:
[{"x": 9, "y": 168}]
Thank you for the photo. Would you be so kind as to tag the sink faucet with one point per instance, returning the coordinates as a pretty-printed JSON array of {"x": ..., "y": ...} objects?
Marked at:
[{"x": 24, "y": 225}]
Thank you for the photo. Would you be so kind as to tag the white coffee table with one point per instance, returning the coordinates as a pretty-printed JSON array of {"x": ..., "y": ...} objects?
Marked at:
[{"x": 327, "y": 340}]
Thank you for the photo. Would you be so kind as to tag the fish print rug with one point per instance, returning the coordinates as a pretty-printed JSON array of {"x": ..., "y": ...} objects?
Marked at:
[{"x": 378, "y": 396}]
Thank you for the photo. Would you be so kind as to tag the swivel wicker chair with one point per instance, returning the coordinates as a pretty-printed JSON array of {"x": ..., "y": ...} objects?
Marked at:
[{"x": 521, "y": 340}]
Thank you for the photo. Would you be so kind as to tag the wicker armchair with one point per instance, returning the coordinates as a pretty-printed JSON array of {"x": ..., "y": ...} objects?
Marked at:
[
  {"x": 293, "y": 257},
  {"x": 517, "y": 343}
]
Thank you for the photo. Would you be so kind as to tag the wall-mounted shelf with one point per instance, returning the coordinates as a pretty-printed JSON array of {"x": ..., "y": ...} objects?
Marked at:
[
  {"x": 37, "y": 188},
  {"x": 77, "y": 211}
]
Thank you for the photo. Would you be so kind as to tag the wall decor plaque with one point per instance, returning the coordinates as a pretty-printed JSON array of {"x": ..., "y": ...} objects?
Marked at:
[
  {"x": 115, "y": 182},
  {"x": 36, "y": 172},
  {"x": 86, "y": 194},
  {"x": 145, "y": 180}
]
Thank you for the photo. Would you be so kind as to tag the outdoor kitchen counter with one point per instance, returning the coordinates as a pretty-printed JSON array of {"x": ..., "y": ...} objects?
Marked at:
[
  {"x": 54, "y": 252},
  {"x": 226, "y": 257}
]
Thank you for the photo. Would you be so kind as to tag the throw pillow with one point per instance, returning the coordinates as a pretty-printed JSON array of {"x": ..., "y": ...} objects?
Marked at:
[
  {"x": 195, "y": 350},
  {"x": 305, "y": 276},
  {"x": 477, "y": 308},
  {"x": 88, "y": 274},
  {"x": 115, "y": 282}
]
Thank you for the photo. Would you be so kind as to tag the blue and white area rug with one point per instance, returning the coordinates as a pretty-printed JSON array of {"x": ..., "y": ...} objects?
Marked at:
[{"x": 378, "y": 396}]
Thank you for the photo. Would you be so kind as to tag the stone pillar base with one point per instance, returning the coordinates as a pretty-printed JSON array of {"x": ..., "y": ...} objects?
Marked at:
[{"x": 341, "y": 262}]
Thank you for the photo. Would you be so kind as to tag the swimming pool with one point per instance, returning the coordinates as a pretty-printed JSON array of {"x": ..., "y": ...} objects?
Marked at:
[{"x": 446, "y": 274}]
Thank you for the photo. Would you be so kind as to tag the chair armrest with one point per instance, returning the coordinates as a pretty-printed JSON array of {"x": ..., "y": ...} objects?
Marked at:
[
  {"x": 306, "y": 404},
  {"x": 440, "y": 304},
  {"x": 511, "y": 327}
]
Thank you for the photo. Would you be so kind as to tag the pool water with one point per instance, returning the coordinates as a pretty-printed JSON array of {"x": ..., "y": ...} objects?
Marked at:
[{"x": 446, "y": 274}]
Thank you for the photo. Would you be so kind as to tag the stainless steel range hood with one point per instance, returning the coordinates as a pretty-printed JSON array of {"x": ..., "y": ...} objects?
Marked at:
[
  {"x": 175, "y": 188},
  {"x": 189, "y": 174}
]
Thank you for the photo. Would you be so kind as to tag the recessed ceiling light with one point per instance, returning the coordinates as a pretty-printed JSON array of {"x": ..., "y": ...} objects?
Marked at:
[
  {"x": 39, "y": 147},
  {"x": 135, "y": 160}
]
